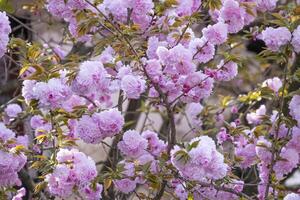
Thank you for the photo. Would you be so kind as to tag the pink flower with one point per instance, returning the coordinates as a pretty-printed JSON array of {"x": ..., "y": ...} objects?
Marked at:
[
  {"x": 197, "y": 86},
  {"x": 133, "y": 144},
  {"x": 90, "y": 193},
  {"x": 125, "y": 185},
  {"x": 108, "y": 55},
  {"x": 20, "y": 193},
  {"x": 292, "y": 196},
  {"x": 226, "y": 71},
  {"x": 72, "y": 102},
  {"x": 232, "y": 14},
  {"x": 154, "y": 70},
  {"x": 5, "y": 133},
  {"x": 246, "y": 151},
  {"x": 27, "y": 90},
  {"x": 10, "y": 165},
  {"x": 201, "y": 162},
  {"x": 140, "y": 15},
  {"x": 9, "y": 179},
  {"x": 153, "y": 44},
  {"x": 180, "y": 192},
  {"x": 296, "y": 40},
  {"x": 255, "y": 117},
  {"x": 5, "y": 30},
  {"x": 294, "y": 141},
  {"x": 22, "y": 140},
  {"x": 294, "y": 108},
  {"x": 223, "y": 136},
  {"x": 275, "y": 84},
  {"x": 60, "y": 52},
  {"x": 177, "y": 60},
  {"x": 59, "y": 8},
  {"x": 216, "y": 34},
  {"x": 88, "y": 130},
  {"x": 263, "y": 150},
  {"x": 266, "y": 5},
  {"x": 38, "y": 122},
  {"x": 110, "y": 122},
  {"x": 12, "y": 110},
  {"x": 93, "y": 129},
  {"x": 187, "y": 7},
  {"x": 155, "y": 145},
  {"x": 202, "y": 50},
  {"x": 75, "y": 170},
  {"x": 133, "y": 86},
  {"x": 117, "y": 8},
  {"x": 142, "y": 9},
  {"x": 290, "y": 161},
  {"x": 77, "y": 4},
  {"x": 61, "y": 181},
  {"x": 92, "y": 78},
  {"x": 52, "y": 94},
  {"x": 276, "y": 37}
]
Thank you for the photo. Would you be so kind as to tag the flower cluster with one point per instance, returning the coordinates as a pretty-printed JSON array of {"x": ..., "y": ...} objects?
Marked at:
[
  {"x": 51, "y": 94},
  {"x": 11, "y": 112},
  {"x": 65, "y": 9},
  {"x": 40, "y": 125},
  {"x": 10, "y": 163},
  {"x": 133, "y": 86},
  {"x": 93, "y": 129},
  {"x": 292, "y": 196},
  {"x": 274, "y": 84},
  {"x": 201, "y": 161},
  {"x": 249, "y": 147},
  {"x": 92, "y": 78},
  {"x": 5, "y": 30},
  {"x": 74, "y": 170},
  {"x": 266, "y": 5},
  {"x": 138, "y": 149},
  {"x": 179, "y": 77},
  {"x": 140, "y": 11},
  {"x": 296, "y": 40},
  {"x": 294, "y": 108},
  {"x": 276, "y": 37}
]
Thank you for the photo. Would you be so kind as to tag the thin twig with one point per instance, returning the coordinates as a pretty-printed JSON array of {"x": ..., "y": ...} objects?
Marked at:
[{"x": 30, "y": 29}]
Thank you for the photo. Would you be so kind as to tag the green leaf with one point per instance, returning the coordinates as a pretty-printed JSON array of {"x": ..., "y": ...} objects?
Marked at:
[
  {"x": 17, "y": 149},
  {"x": 7, "y": 6},
  {"x": 261, "y": 130},
  {"x": 297, "y": 75},
  {"x": 212, "y": 4},
  {"x": 267, "y": 92},
  {"x": 107, "y": 183},
  {"x": 170, "y": 3},
  {"x": 39, "y": 187},
  {"x": 190, "y": 196},
  {"x": 225, "y": 101},
  {"x": 182, "y": 155},
  {"x": 38, "y": 164},
  {"x": 23, "y": 69},
  {"x": 41, "y": 138},
  {"x": 193, "y": 145}
]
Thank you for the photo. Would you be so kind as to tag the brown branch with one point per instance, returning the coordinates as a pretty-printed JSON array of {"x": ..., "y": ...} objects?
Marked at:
[
  {"x": 274, "y": 151},
  {"x": 2, "y": 107}
]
